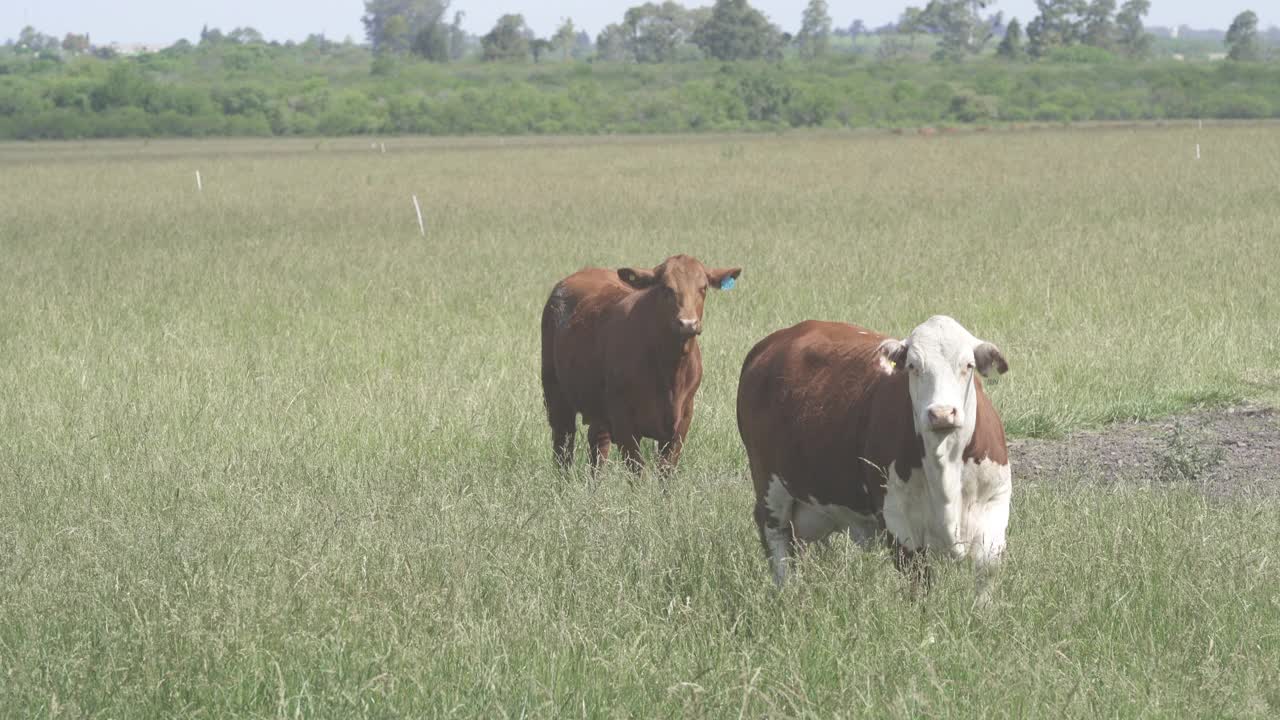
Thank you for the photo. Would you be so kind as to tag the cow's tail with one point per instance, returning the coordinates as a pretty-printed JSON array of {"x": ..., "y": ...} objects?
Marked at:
[
  {"x": 560, "y": 413},
  {"x": 550, "y": 320}
]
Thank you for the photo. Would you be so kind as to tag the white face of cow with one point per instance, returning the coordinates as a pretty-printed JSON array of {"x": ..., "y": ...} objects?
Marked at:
[{"x": 940, "y": 357}]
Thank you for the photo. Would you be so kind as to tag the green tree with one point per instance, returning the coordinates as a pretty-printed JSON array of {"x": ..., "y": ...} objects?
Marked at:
[
  {"x": 611, "y": 44},
  {"x": 246, "y": 36},
  {"x": 211, "y": 36},
  {"x": 1242, "y": 38},
  {"x": 74, "y": 44},
  {"x": 960, "y": 25},
  {"x": 583, "y": 45},
  {"x": 911, "y": 23},
  {"x": 32, "y": 40},
  {"x": 1011, "y": 47},
  {"x": 398, "y": 25},
  {"x": 1059, "y": 24},
  {"x": 1132, "y": 38},
  {"x": 1098, "y": 24},
  {"x": 508, "y": 40},
  {"x": 457, "y": 37},
  {"x": 395, "y": 35},
  {"x": 814, "y": 38},
  {"x": 654, "y": 32},
  {"x": 539, "y": 47},
  {"x": 318, "y": 43},
  {"x": 737, "y": 31},
  {"x": 565, "y": 38},
  {"x": 124, "y": 86},
  {"x": 432, "y": 42}
]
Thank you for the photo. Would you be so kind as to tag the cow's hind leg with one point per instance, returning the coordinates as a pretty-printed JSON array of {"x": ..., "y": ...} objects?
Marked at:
[
  {"x": 669, "y": 457},
  {"x": 599, "y": 440},
  {"x": 773, "y": 517},
  {"x": 564, "y": 427}
]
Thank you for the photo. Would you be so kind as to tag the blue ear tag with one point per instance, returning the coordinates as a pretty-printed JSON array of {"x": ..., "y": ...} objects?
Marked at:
[{"x": 727, "y": 283}]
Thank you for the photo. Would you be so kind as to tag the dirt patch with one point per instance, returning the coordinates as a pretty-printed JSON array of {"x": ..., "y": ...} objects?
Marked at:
[{"x": 1232, "y": 451}]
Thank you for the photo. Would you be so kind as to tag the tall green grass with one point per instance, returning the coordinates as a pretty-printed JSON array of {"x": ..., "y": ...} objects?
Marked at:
[{"x": 266, "y": 450}]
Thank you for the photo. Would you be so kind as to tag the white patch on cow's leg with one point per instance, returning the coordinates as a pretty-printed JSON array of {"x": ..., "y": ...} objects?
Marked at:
[
  {"x": 987, "y": 489},
  {"x": 777, "y": 529},
  {"x": 983, "y": 517},
  {"x": 779, "y": 552},
  {"x": 986, "y": 571},
  {"x": 906, "y": 508}
]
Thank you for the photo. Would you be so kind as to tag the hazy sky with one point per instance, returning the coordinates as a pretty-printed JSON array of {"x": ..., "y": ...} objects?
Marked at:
[{"x": 164, "y": 21}]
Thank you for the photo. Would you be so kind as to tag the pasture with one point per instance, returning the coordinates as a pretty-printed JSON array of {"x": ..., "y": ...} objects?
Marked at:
[{"x": 266, "y": 451}]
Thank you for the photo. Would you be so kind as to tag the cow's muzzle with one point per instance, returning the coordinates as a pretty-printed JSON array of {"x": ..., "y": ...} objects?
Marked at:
[
  {"x": 943, "y": 418},
  {"x": 688, "y": 328}
]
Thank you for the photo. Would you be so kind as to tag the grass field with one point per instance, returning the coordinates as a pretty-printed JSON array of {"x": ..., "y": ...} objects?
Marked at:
[{"x": 265, "y": 451}]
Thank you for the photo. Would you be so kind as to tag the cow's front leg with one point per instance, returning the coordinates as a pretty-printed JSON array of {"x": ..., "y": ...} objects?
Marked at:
[
  {"x": 630, "y": 446},
  {"x": 989, "y": 548},
  {"x": 986, "y": 571},
  {"x": 599, "y": 440},
  {"x": 669, "y": 457},
  {"x": 915, "y": 565},
  {"x": 669, "y": 452},
  {"x": 628, "y": 441}
]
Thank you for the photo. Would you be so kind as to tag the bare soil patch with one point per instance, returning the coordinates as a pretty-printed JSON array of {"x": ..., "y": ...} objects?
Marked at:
[{"x": 1232, "y": 451}]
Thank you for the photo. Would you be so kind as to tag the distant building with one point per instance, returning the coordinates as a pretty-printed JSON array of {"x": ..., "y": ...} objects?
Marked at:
[{"x": 135, "y": 48}]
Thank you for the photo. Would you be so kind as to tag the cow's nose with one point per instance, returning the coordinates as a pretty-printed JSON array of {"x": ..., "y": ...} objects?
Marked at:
[
  {"x": 943, "y": 417},
  {"x": 689, "y": 327}
]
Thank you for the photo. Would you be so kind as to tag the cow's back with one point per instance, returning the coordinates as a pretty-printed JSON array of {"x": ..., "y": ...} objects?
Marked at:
[
  {"x": 581, "y": 298},
  {"x": 816, "y": 409}
]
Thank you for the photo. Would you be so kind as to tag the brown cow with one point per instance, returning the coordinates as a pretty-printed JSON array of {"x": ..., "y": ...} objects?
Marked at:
[
  {"x": 847, "y": 429},
  {"x": 621, "y": 348}
]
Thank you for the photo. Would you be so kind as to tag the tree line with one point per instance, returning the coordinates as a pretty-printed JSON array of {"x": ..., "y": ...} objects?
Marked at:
[
  {"x": 662, "y": 68},
  {"x": 730, "y": 30}
]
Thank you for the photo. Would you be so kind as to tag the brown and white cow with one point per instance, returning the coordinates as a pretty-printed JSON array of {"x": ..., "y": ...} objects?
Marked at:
[
  {"x": 621, "y": 349},
  {"x": 849, "y": 430}
]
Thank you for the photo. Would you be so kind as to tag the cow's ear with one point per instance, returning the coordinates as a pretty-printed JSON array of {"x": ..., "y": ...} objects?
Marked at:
[
  {"x": 638, "y": 279},
  {"x": 987, "y": 357},
  {"x": 893, "y": 356},
  {"x": 723, "y": 278}
]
